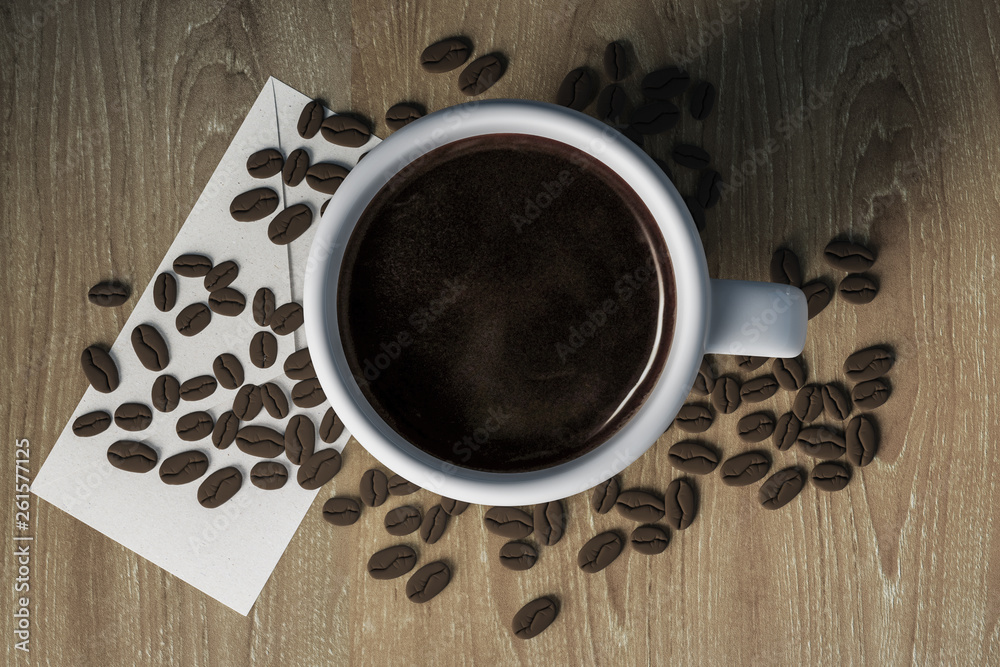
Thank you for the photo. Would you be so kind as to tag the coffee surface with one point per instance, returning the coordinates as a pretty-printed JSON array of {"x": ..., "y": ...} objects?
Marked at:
[{"x": 506, "y": 303}]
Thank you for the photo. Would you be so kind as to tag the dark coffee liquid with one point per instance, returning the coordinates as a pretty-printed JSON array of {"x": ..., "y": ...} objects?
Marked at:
[{"x": 506, "y": 303}]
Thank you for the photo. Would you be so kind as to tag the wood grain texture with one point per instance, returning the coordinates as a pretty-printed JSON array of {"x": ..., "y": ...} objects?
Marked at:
[{"x": 874, "y": 120}]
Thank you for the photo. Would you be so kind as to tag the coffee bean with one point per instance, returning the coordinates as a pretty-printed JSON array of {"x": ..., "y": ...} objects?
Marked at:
[
  {"x": 640, "y": 506},
  {"x": 780, "y": 488},
  {"x": 265, "y": 163},
  {"x": 759, "y": 389},
  {"x": 221, "y": 275},
  {"x": 697, "y": 212},
  {"x": 518, "y": 556},
  {"x": 830, "y": 476},
  {"x": 694, "y": 418},
  {"x": 319, "y": 469},
  {"x": 399, "y": 116},
  {"x": 219, "y": 487},
  {"x": 709, "y": 188},
  {"x": 818, "y": 295},
  {"x": 726, "y": 395},
  {"x": 654, "y": 117},
  {"x": 868, "y": 364},
  {"x": 132, "y": 456},
  {"x": 785, "y": 268},
  {"x": 197, "y": 388},
  {"x": 446, "y": 55},
  {"x": 228, "y": 371},
  {"x": 786, "y": 431},
  {"x": 100, "y": 369},
  {"x": 165, "y": 292},
  {"x": 790, "y": 373},
  {"x": 326, "y": 177},
  {"x": 287, "y": 318},
  {"x": 402, "y": 520},
  {"x": 756, "y": 427},
  {"x": 194, "y": 426},
  {"x": 611, "y": 103},
  {"x": 192, "y": 265},
  {"x": 702, "y": 100},
  {"x": 392, "y": 562},
  {"x": 341, "y": 511},
  {"x": 599, "y": 552},
  {"x": 274, "y": 400},
  {"x": 858, "y": 288},
  {"x": 91, "y": 424},
  {"x": 690, "y": 156},
  {"x": 263, "y": 306},
  {"x": 226, "y": 427},
  {"x": 693, "y": 458},
  {"x": 615, "y": 61},
  {"x": 451, "y": 506},
  {"x": 133, "y": 417},
  {"x": 300, "y": 439},
  {"x": 835, "y": 402},
  {"x": 166, "y": 393},
  {"x": 184, "y": 467},
  {"x": 577, "y": 89},
  {"x": 680, "y": 504},
  {"x": 705, "y": 382},
  {"x": 268, "y": 475},
  {"x": 808, "y": 404},
  {"x": 322, "y": 208},
  {"x": 331, "y": 427},
  {"x": 399, "y": 486},
  {"x": 290, "y": 224},
  {"x": 750, "y": 363},
  {"x": 263, "y": 349},
  {"x": 605, "y": 495},
  {"x": 434, "y": 524},
  {"x": 744, "y": 469},
  {"x": 310, "y": 119},
  {"x": 850, "y": 257},
  {"x": 549, "y": 522},
  {"x": 871, "y": 394},
  {"x": 374, "y": 487},
  {"x": 666, "y": 83},
  {"x": 193, "y": 319},
  {"x": 247, "y": 403},
  {"x": 295, "y": 167},
  {"x": 508, "y": 522},
  {"x": 427, "y": 582},
  {"x": 108, "y": 294},
  {"x": 862, "y": 440},
  {"x": 261, "y": 441},
  {"x": 664, "y": 167},
  {"x": 251, "y": 206},
  {"x": 533, "y": 618},
  {"x": 650, "y": 540},
  {"x": 821, "y": 442},
  {"x": 347, "y": 131},
  {"x": 227, "y": 302},
  {"x": 298, "y": 365},
  {"x": 480, "y": 75},
  {"x": 308, "y": 394}
]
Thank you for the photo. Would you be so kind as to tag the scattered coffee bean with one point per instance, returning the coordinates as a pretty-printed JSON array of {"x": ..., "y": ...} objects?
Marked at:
[
  {"x": 322, "y": 208},
  {"x": 251, "y": 206},
  {"x": 427, "y": 582},
  {"x": 871, "y": 394},
  {"x": 680, "y": 504},
  {"x": 263, "y": 349},
  {"x": 402, "y": 520},
  {"x": 400, "y": 115},
  {"x": 226, "y": 427},
  {"x": 374, "y": 487},
  {"x": 533, "y": 618},
  {"x": 862, "y": 440},
  {"x": 693, "y": 458},
  {"x": 786, "y": 431},
  {"x": 446, "y": 55},
  {"x": 666, "y": 83},
  {"x": 287, "y": 318},
  {"x": 166, "y": 393},
  {"x": 868, "y": 364},
  {"x": 605, "y": 495},
  {"x": 744, "y": 469},
  {"x": 690, "y": 156},
  {"x": 265, "y": 163},
  {"x": 108, "y": 294},
  {"x": 330, "y": 427},
  {"x": 221, "y": 275},
  {"x": 780, "y": 488},
  {"x": 750, "y": 363},
  {"x": 611, "y": 103},
  {"x": 694, "y": 418},
  {"x": 219, "y": 487},
  {"x": 434, "y": 524},
  {"x": 132, "y": 456},
  {"x": 193, "y": 319},
  {"x": 274, "y": 400},
  {"x": 197, "y": 388},
  {"x": 319, "y": 468},
  {"x": 91, "y": 424},
  {"x": 509, "y": 522},
  {"x": 808, "y": 403},
  {"x": 705, "y": 382},
  {"x": 268, "y": 475},
  {"x": 260, "y": 441},
  {"x": 818, "y": 295},
  {"x": 399, "y": 486},
  {"x": 347, "y": 131},
  {"x": 830, "y": 476},
  {"x": 599, "y": 552},
  {"x": 307, "y": 394},
  {"x": 133, "y": 417},
  {"x": 300, "y": 439},
  {"x": 821, "y": 442},
  {"x": 577, "y": 89},
  {"x": 702, "y": 100},
  {"x": 192, "y": 265},
  {"x": 298, "y": 365},
  {"x": 392, "y": 562},
  {"x": 790, "y": 373},
  {"x": 341, "y": 511},
  {"x": 640, "y": 506},
  {"x": 326, "y": 177},
  {"x": 165, "y": 292},
  {"x": 835, "y": 402},
  {"x": 759, "y": 389},
  {"x": 726, "y": 396},
  {"x": 709, "y": 188},
  {"x": 849, "y": 257},
  {"x": 247, "y": 404},
  {"x": 451, "y": 506},
  {"x": 518, "y": 556},
  {"x": 785, "y": 268},
  {"x": 480, "y": 75},
  {"x": 294, "y": 171},
  {"x": 227, "y": 302},
  {"x": 290, "y": 224},
  {"x": 650, "y": 540},
  {"x": 184, "y": 467},
  {"x": 615, "y": 61},
  {"x": 756, "y": 427},
  {"x": 100, "y": 369},
  {"x": 858, "y": 288},
  {"x": 310, "y": 119},
  {"x": 263, "y": 306},
  {"x": 697, "y": 212},
  {"x": 228, "y": 371},
  {"x": 194, "y": 426},
  {"x": 654, "y": 117},
  {"x": 549, "y": 522}
]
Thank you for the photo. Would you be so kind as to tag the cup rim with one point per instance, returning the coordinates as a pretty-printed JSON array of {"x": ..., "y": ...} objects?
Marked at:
[{"x": 601, "y": 142}]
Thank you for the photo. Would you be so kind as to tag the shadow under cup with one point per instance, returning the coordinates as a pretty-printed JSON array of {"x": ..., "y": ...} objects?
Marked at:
[{"x": 506, "y": 303}]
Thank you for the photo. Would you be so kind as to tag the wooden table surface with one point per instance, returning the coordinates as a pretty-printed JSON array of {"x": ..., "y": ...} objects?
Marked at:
[{"x": 867, "y": 118}]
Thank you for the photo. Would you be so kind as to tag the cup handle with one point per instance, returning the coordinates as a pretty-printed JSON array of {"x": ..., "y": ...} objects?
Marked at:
[{"x": 756, "y": 319}]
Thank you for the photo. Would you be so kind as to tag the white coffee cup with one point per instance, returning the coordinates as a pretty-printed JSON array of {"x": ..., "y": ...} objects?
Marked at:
[{"x": 712, "y": 316}]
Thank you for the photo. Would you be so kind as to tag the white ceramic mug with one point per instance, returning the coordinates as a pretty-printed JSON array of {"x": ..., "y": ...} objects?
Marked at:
[{"x": 712, "y": 316}]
